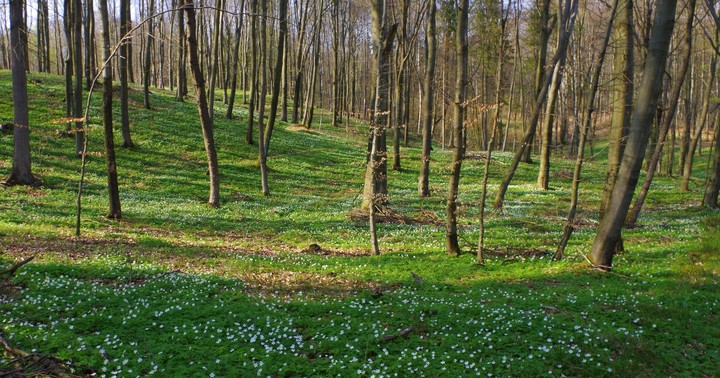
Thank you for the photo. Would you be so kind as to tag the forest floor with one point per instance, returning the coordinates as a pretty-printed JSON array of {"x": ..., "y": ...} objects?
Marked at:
[{"x": 285, "y": 285}]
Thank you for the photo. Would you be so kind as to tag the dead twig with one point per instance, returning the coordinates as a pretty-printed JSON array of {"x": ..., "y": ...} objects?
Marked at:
[
  {"x": 11, "y": 271},
  {"x": 402, "y": 333}
]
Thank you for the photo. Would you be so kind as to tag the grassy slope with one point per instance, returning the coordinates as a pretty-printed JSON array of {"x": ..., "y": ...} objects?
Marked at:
[{"x": 178, "y": 288}]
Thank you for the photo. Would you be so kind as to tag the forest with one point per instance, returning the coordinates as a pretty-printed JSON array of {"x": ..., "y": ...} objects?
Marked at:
[{"x": 237, "y": 188}]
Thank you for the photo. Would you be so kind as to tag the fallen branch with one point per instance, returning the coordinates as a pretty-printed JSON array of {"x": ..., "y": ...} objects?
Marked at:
[
  {"x": 11, "y": 271},
  {"x": 11, "y": 350},
  {"x": 402, "y": 333}
]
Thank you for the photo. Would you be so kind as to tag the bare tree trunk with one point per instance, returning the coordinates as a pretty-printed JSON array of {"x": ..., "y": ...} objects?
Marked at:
[
  {"x": 263, "y": 94},
  {"x": 114, "y": 210},
  {"x": 504, "y": 13},
  {"x": 541, "y": 70},
  {"x": 277, "y": 73},
  {"x": 608, "y": 234},
  {"x": 622, "y": 98},
  {"x": 123, "y": 68},
  {"x": 148, "y": 53},
  {"x": 181, "y": 56},
  {"x": 205, "y": 121},
  {"x": 461, "y": 75},
  {"x": 428, "y": 103},
  {"x": 254, "y": 73},
  {"x": 235, "y": 61},
  {"x": 21, "y": 173},
  {"x": 219, "y": 7},
  {"x": 78, "y": 77},
  {"x": 584, "y": 131},
  {"x": 668, "y": 118}
]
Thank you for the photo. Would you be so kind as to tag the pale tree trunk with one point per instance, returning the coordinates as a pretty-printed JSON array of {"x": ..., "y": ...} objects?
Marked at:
[
  {"x": 114, "y": 210},
  {"x": 427, "y": 104},
  {"x": 398, "y": 98},
  {"x": 277, "y": 74},
  {"x": 710, "y": 198},
  {"x": 622, "y": 97},
  {"x": 669, "y": 116},
  {"x": 505, "y": 13},
  {"x": 336, "y": 63},
  {"x": 123, "y": 68},
  {"x": 148, "y": 53},
  {"x": 526, "y": 142},
  {"x": 608, "y": 234},
  {"x": 309, "y": 112},
  {"x": 300, "y": 58},
  {"x": 235, "y": 62},
  {"x": 205, "y": 121},
  {"x": 584, "y": 131},
  {"x": 461, "y": 74},
  {"x": 21, "y": 173}
]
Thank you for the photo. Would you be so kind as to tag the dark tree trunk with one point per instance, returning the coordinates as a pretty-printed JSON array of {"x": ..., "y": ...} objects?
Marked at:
[
  {"x": 123, "y": 68},
  {"x": 235, "y": 61},
  {"x": 78, "y": 77},
  {"x": 253, "y": 74},
  {"x": 114, "y": 211},
  {"x": 712, "y": 187},
  {"x": 277, "y": 74},
  {"x": 181, "y": 57},
  {"x": 21, "y": 173},
  {"x": 461, "y": 74},
  {"x": 148, "y": 52}
]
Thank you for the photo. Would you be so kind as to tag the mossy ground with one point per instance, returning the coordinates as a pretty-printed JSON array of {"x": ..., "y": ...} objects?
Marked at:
[{"x": 177, "y": 288}]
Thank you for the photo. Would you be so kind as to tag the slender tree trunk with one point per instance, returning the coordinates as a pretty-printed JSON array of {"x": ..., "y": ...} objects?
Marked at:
[
  {"x": 541, "y": 70},
  {"x": 123, "y": 68},
  {"x": 496, "y": 119},
  {"x": 670, "y": 115},
  {"x": 277, "y": 73},
  {"x": 427, "y": 104},
  {"x": 78, "y": 77},
  {"x": 235, "y": 61},
  {"x": 254, "y": 74},
  {"x": 263, "y": 93},
  {"x": 181, "y": 86},
  {"x": 21, "y": 173},
  {"x": 219, "y": 6},
  {"x": 114, "y": 210},
  {"x": 205, "y": 121},
  {"x": 310, "y": 100},
  {"x": 148, "y": 53},
  {"x": 461, "y": 75},
  {"x": 608, "y": 234},
  {"x": 584, "y": 131}
]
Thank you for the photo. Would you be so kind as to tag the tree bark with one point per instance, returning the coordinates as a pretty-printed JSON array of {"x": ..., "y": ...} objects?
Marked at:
[
  {"x": 263, "y": 94},
  {"x": 205, "y": 121},
  {"x": 710, "y": 198},
  {"x": 123, "y": 68},
  {"x": 148, "y": 53},
  {"x": 78, "y": 77},
  {"x": 235, "y": 61},
  {"x": 608, "y": 234},
  {"x": 427, "y": 104},
  {"x": 461, "y": 74},
  {"x": 622, "y": 97},
  {"x": 254, "y": 73},
  {"x": 277, "y": 73},
  {"x": 114, "y": 209},
  {"x": 181, "y": 86},
  {"x": 21, "y": 173}
]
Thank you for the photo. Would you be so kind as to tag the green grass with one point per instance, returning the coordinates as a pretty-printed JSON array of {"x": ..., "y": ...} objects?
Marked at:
[{"x": 180, "y": 289}]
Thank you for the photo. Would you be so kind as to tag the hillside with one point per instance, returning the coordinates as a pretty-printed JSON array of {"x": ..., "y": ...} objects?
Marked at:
[{"x": 285, "y": 285}]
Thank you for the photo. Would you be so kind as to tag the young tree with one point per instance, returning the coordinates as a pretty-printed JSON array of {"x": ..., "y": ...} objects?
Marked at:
[
  {"x": 114, "y": 210},
  {"x": 608, "y": 234},
  {"x": 78, "y": 77},
  {"x": 21, "y": 173},
  {"x": 235, "y": 61},
  {"x": 459, "y": 106},
  {"x": 277, "y": 73},
  {"x": 205, "y": 121},
  {"x": 148, "y": 53},
  {"x": 428, "y": 103},
  {"x": 181, "y": 86}
]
